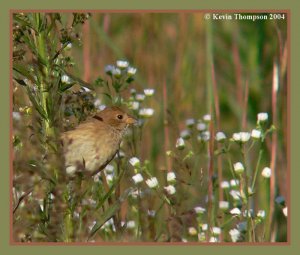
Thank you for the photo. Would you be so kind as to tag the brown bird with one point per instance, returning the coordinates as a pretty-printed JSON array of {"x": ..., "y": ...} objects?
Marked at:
[{"x": 95, "y": 142}]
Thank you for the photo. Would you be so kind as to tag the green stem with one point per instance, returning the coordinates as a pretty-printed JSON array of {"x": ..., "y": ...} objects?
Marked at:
[{"x": 257, "y": 168}]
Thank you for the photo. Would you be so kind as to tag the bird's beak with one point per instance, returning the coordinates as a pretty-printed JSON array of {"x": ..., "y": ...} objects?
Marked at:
[{"x": 130, "y": 120}]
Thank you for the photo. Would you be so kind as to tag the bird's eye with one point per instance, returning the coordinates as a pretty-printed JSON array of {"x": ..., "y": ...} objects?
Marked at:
[{"x": 120, "y": 116}]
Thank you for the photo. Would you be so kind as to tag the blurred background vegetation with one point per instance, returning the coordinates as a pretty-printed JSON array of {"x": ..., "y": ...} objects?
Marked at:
[{"x": 196, "y": 66}]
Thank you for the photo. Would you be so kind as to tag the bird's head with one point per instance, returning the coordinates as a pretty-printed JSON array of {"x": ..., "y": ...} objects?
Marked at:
[{"x": 115, "y": 117}]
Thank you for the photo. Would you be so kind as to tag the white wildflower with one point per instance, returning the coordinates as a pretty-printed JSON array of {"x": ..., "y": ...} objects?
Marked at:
[
  {"x": 205, "y": 136},
  {"x": 122, "y": 64},
  {"x": 137, "y": 178},
  {"x": 236, "y": 195},
  {"x": 262, "y": 117},
  {"x": 216, "y": 230},
  {"x": 204, "y": 227},
  {"x": 192, "y": 231},
  {"x": 261, "y": 214},
  {"x": 256, "y": 134},
  {"x": 201, "y": 126},
  {"x": 152, "y": 182},
  {"x": 146, "y": 112},
  {"x": 266, "y": 172},
  {"x": 236, "y": 137},
  {"x": 140, "y": 97},
  {"x": 190, "y": 122},
  {"x": 220, "y": 136},
  {"x": 234, "y": 182},
  {"x": 235, "y": 211},
  {"x": 130, "y": 224},
  {"x": 238, "y": 168},
  {"x": 223, "y": 205},
  {"x": 224, "y": 184},
  {"x": 180, "y": 144},
  {"x": 245, "y": 136},
  {"x": 16, "y": 115},
  {"x": 134, "y": 105},
  {"x": 149, "y": 92},
  {"x": 170, "y": 189},
  {"x": 131, "y": 71},
  {"x": 171, "y": 176},
  {"x": 199, "y": 210},
  {"x": 207, "y": 117},
  {"x": 234, "y": 234},
  {"x": 185, "y": 134},
  {"x": 285, "y": 211},
  {"x": 134, "y": 161},
  {"x": 213, "y": 239},
  {"x": 65, "y": 79}
]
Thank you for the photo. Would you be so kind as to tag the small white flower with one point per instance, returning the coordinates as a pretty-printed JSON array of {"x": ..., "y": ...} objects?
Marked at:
[
  {"x": 171, "y": 176},
  {"x": 199, "y": 210},
  {"x": 205, "y": 136},
  {"x": 140, "y": 97},
  {"x": 190, "y": 122},
  {"x": 224, "y": 184},
  {"x": 180, "y": 144},
  {"x": 149, "y": 92},
  {"x": 109, "y": 169},
  {"x": 256, "y": 134},
  {"x": 204, "y": 227},
  {"x": 207, "y": 117},
  {"x": 16, "y": 115},
  {"x": 130, "y": 224},
  {"x": 134, "y": 105},
  {"x": 234, "y": 182},
  {"x": 131, "y": 71},
  {"x": 137, "y": 178},
  {"x": 185, "y": 134},
  {"x": 116, "y": 72},
  {"x": 152, "y": 182},
  {"x": 223, "y": 205},
  {"x": 216, "y": 230},
  {"x": 65, "y": 79},
  {"x": 109, "y": 69},
  {"x": 201, "y": 126},
  {"x": 192, "y": 231},
  {"x": 238, "y": 167},
  {"x": 235, "y": 211},
  {"x": 285, "y": 211},
  {"x": 262, "y": 117},
  {"x": 170, "y": 189},
  {"x": 236, "y": 137},
  {"x": 220, "y": 136},
  {"x": 69, "y": 46},
  {"x": 236, "y": 195},
  {"x": 151, "y": 213},
  {"x": 134, "y": 161},
  {"x": 146, "y": 112},
  {"x": 122, "y": 64},
  {"x": 245, "y": 136},
  {"x": 234, "y": 234},
  {"x": 266, "y": 172},
  {"x": 213, "y": 239},
  {"x": 261, "y": 214}
]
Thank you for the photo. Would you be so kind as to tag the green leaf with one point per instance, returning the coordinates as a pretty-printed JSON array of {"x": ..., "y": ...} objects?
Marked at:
[
  {"x": 36, "y": 105},
  {"x": 21, "y": 69}
]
